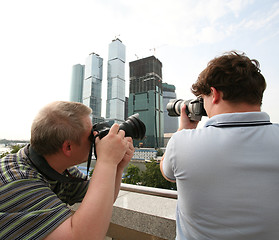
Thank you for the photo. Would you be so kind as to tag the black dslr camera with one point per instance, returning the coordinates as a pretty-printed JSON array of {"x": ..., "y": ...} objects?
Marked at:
[
  {"x": 194, "y": 108},
  {"x": 133, "y": 127}
]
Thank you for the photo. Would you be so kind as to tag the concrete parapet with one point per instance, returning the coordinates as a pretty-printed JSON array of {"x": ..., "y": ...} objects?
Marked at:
[{"x": 141, "y": 216}]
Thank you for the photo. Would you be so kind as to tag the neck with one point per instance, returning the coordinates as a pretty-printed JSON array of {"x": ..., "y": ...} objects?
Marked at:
[
  {"x": 56, "y": 162},
  {"x": 228, "y": 107}
]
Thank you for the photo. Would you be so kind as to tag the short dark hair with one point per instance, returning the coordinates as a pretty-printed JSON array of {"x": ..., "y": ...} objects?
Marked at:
[{"x": 237, "y": 76}]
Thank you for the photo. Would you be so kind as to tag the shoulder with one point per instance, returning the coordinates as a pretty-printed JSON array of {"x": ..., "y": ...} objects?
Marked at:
[
  {"x": 17, "y": 166},
  {"x": 190, "y": 134},
  {"x": 75, "y": 172}
]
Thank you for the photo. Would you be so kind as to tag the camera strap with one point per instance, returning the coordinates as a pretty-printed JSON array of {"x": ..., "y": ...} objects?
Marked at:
[
  {"x": 92, "y": 147},
  {"x": 44, "y": 168}
]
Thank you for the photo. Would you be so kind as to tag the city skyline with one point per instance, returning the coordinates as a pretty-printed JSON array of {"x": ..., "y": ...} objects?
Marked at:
[
  {"x": 41, "y": 41},
  {"x": 145, "y": 77}
]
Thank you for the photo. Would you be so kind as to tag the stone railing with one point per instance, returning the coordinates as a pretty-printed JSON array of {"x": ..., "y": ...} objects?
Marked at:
[{"x": 143, "y": 213}]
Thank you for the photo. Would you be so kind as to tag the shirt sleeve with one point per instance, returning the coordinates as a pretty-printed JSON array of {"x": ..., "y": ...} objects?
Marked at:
[
  {"x": 168, "y": 162},
  {"x": 29, "y": 210}
]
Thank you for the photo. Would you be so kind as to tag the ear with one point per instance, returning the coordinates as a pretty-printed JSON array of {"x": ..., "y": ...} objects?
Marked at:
[
  {"x": 216, "y": 95},
  {"x": 67, "y": 148}
]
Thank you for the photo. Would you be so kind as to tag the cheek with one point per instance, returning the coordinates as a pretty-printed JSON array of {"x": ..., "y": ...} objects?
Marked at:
[{"x": 87, "y": 149}]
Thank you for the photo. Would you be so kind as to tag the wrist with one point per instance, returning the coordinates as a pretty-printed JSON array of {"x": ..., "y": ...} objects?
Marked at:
[
  {"x": 121, "y": 166},
  {"x": 107, "y": 163}
]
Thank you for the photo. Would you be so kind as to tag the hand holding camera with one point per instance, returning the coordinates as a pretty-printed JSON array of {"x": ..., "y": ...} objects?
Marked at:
[
  {"x": 185, "y": 122},
  {"x": 128, "y": 155},
  {"x": 194, "y": 108},
  {"x": 112, "y": 147},
  {"x": 133, "y": 127},
  {"x": 191, "y": 112}
]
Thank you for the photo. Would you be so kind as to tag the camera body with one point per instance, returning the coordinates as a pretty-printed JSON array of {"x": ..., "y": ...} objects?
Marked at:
[
  {"x": 133, "y": 127},
  {"x": 194, "y": 108}
]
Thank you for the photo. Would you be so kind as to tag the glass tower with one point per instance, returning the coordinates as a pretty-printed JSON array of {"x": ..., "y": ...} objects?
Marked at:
[
  {"x": 77, "y": 83},
  {"x": 92, "y": 86},
  {"x": 115, "y": 104},
  {"x": 146, "y": 98}
]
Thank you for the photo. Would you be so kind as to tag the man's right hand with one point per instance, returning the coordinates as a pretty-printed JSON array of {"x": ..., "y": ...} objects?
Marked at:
[
  {"x": 113, "y": 146},
  {"x": 185, "y": 122}
]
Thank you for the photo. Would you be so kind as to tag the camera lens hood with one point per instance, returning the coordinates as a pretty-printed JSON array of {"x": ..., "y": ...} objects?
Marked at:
[{"x": 133, "y": 127}]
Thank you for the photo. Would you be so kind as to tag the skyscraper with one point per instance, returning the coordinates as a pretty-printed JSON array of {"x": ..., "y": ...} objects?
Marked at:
[
  {"x": 146, "y": 98},
  {"x": 170, "y": 123},
  {"x": 92, "y": 85},
  {"x": 115, "y": 104},
  {"x": 77, "y": 83}
]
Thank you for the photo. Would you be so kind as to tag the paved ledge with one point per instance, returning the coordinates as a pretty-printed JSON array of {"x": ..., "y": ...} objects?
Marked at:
[
  {"x": 147, "y": 214},
  {"x": 141, "y": 216}
]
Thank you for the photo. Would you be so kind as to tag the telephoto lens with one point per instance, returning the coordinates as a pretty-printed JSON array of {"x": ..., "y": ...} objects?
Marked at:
[
  {"x": 194, "y": 108},
  {"x": 133, "y": 127}
]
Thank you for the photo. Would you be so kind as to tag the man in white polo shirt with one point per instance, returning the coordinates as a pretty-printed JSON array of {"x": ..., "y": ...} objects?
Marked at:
[{"x": 227, "y": 172}]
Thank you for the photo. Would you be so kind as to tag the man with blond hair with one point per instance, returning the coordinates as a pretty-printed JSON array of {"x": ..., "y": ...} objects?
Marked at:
[
  {"x": 227, "y": 173},
  {"x": 39, "y": 181}
]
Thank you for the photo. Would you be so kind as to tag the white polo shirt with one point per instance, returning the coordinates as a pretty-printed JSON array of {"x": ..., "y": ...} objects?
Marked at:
[{"x": 227, "y": 176}]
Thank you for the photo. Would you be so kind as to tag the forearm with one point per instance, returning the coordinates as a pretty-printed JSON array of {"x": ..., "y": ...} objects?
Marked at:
[
  {"x": 118, "y": 180},
  {"x": 121, "y": 166},
  {"x": 93, "y": 216}
]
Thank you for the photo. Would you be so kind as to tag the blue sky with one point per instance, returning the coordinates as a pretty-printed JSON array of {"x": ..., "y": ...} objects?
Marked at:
[{"x": 42, "y": 40}]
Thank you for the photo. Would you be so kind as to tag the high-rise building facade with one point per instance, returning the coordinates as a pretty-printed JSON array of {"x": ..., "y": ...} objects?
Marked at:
[
  {"x": 92, "y": 86},
  {"x": 170, "y": 123},
  {"x": 77, "y": 83},
  {"x": 146, "y": 98},
  {"x": 115, "y": 104}
]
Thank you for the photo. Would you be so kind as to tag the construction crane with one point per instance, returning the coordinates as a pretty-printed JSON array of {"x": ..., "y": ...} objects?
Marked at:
[{"x": 154, "y": 49}]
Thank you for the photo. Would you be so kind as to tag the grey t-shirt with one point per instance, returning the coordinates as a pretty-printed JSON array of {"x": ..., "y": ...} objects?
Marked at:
[{"x": 227, "y": 176}]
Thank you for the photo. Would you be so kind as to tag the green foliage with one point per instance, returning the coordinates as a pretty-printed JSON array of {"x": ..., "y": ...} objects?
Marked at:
[
  {"x": 91, "y": 172},
  {"x": 14, "y": 149},
  {"x": 4, "y": 154},
  {"x": 160, "y": 152},
  {"x": 151, "y": 177},
  {"x": 133, "y": 175}
]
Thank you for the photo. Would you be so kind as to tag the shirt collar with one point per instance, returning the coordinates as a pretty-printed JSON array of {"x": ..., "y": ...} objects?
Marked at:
[{"x": 243, "y": 118}]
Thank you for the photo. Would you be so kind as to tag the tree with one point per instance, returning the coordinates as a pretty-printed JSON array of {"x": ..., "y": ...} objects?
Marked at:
[
  {"x": 152, "y": 177},
  {"x": 4, "y": 154},
  {"x": 14, "y": 149},
  {"x": 159, "y": 152},
  {"x": 133, "y": 175}
]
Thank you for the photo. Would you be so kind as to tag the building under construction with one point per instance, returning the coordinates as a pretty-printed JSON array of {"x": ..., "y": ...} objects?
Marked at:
[{"x": 146, "y": 98}]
